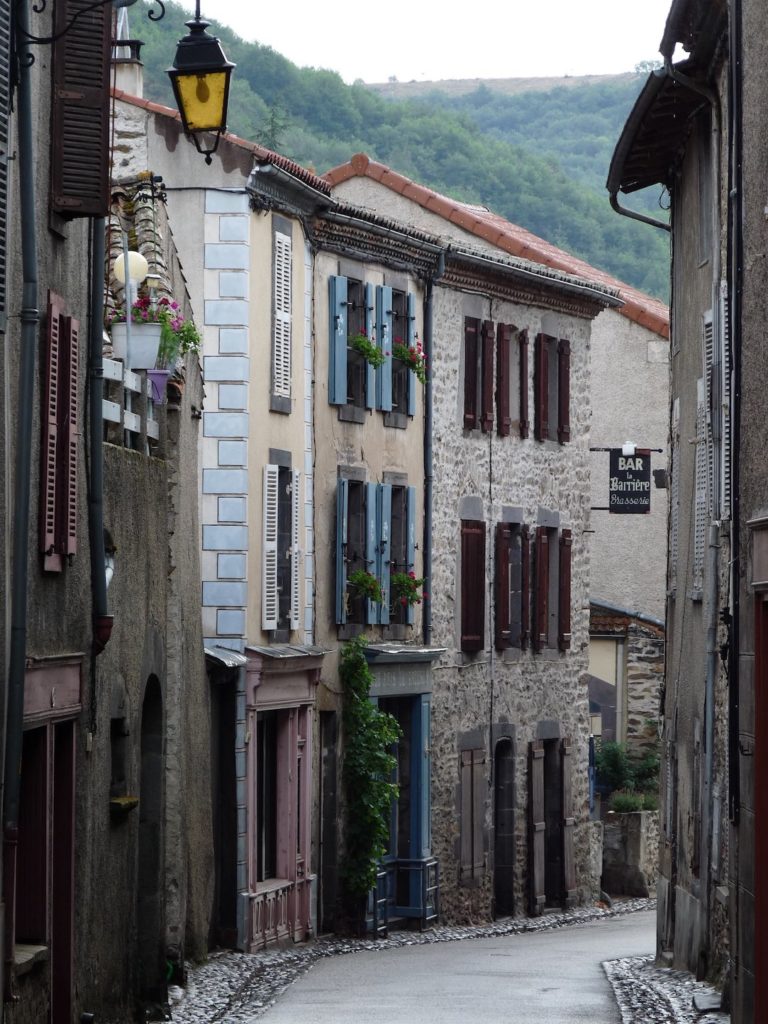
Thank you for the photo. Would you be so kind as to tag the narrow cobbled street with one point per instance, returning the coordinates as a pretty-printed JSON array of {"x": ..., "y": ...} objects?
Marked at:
[{"x": 589, "y": 965}]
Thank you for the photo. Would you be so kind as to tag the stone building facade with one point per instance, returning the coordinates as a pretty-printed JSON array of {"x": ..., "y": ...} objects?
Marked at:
[{"x": 709, "y": 902}]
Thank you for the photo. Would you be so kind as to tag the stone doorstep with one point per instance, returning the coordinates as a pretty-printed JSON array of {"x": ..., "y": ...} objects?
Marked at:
[{"x": 706, "y": 1001}]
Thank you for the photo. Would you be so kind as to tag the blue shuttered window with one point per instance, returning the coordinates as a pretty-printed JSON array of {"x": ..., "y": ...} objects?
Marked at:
[
  {"x": 337, "y": 356},
  {"x": 387, "y": 544},
  {"x": 384, "y": 339}
]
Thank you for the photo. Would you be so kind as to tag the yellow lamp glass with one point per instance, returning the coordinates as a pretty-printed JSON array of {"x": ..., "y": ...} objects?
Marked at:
[{"x": 201, "y": 100}]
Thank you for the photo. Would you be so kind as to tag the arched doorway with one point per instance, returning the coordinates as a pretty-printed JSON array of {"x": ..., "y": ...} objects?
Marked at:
[
  {"x": 150, "y": 899},
  {"x": 504, "y": 828}
]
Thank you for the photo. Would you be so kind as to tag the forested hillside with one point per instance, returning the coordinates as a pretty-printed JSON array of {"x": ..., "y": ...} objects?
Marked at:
[{"x": 538, "y": 158}]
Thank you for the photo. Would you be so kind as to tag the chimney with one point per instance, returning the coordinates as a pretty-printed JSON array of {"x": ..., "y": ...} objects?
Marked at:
[{"x": 129, "y": 69}]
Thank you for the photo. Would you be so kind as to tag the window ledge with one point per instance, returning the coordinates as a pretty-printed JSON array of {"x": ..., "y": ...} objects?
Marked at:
[
  {"x": 278, "y": 403},
  {"x": 398, "y": 420},
  {"x": 349, "y": 630},
  {"x": 352, "y": 414},
  {"x": 26, "y": 956}
]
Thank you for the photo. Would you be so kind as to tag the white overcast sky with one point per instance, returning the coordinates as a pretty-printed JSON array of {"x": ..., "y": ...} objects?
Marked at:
[{"x": 413, "y": 39}]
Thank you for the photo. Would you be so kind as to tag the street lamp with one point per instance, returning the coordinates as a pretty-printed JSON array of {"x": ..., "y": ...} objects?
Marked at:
[{"x": 200, "y": 79}]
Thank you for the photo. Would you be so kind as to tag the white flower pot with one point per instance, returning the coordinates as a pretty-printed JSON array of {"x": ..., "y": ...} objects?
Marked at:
[{"x": 145, "y": 341}]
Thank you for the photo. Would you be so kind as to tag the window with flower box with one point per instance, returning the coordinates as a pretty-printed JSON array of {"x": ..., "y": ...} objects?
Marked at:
[
  {"x": 375, "y": 539},
  {"x": 352, "y": 378}
]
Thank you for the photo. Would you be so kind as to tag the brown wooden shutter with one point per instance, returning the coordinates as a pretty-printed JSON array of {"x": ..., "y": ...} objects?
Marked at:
[
  {"x": 473, "y": 787},
  {"x": 70, "y": 417},
  {"x": 486, "y": 418},
  {"x": 525, "y": 587},
  {"x": 80, "y": 122},
  {"x": 502, "y": 619},
  {"x": 49, "y": 474},
  {"x": 536, "y": 829},
  {"x": 525, "y": 423},
  {"x": 503, "y": 369},
  {"x": 471, "y": 353},
  {"x": 472, "y": 585},
  {"x": 569, "y": 824},
  {"x": 541, "y": 388},
  {"x": 564, "y": 592},
  {"x": 563, "y": 391},
  {"x": 541, "y": 589}
]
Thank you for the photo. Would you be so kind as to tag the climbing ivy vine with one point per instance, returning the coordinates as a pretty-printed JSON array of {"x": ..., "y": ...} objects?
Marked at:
[{"x": 367, "y": 771}]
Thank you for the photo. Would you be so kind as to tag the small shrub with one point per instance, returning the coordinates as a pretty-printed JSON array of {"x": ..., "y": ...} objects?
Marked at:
[
  {"x": 650, "y": 801},
  {"x": 614, "y": 768},
  {"x": 624, "y": 802}
]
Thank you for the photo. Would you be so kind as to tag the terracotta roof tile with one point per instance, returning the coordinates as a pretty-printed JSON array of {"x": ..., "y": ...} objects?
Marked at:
[{"x": 640, "y": 308}]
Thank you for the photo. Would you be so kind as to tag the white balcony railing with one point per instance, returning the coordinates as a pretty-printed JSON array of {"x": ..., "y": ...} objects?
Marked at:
[{"x": 128, "y": 410}]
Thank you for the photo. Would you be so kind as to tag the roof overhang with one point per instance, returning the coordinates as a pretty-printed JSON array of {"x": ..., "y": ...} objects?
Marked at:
[{"x": 654, "y": 135}]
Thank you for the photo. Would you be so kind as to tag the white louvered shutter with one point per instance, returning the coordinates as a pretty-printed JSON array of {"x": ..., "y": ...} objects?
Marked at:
[
  {"x": 674, "y": 498},
  {"x": 295, "y": 552},
  {"x": 701, "y": 496},
  {"x": 725, "y": 398},
  {"x": 712, "y": 413},
  {"x": 281, "y": 341},
  {"x": 269, "y": 594}
]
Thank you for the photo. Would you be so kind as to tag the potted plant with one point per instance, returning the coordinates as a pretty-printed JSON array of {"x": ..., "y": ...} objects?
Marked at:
[
  {"x": 366, "y": 585},
  {"x": 367, "y": 348},
  {"x": 413, "y": 357},
  {"x": 160, "y": 333},
  {"x": 406, "y": 588}
]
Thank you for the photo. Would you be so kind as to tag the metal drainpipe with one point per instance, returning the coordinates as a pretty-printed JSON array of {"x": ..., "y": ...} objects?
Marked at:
[
  {"x": 30, "y": 317},
  {"x": 102, "y": 621},
  {"x": 428, "y": 421}
]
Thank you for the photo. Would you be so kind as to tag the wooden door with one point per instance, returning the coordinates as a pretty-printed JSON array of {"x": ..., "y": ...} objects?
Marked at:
[{"x": 536, "y": 828}]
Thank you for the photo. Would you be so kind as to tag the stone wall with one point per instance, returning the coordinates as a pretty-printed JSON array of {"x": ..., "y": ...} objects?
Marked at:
[
  {"x": 630, "y": 853},
  {"x": 645, "y": 678},
  {"x": 478, "y": 699}
]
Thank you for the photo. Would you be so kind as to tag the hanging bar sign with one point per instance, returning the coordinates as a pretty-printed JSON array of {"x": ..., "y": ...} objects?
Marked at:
[{"x": 629, "y": 489}]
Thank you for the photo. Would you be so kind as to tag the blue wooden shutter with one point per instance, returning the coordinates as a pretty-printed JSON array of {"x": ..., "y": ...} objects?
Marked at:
[
  {"x": 371, "y": 544},
  {"x": 385, "y": 341},
  {"x": 410, "y": 541},
  {"x": 370, "y": 324},
  {"x": 337, "y": 349},
  {"x": 411, "y": 340},
  {"x": 385, "y": 549},
  {"x": 423, "y": 738},
  {"x": 342, "y": 507}
]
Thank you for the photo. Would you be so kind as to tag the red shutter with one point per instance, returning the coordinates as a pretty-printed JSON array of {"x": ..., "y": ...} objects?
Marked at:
[
  {"x": 536, "y": 829},
  {"x": 541, "y": 388},
  {"x": 525, "y": 587},
  {"x": 69, "y": 419},
  {"x": 486, "y": 419},
  {"x": 569, "y": 823},
  {"x": 52, "y": 561},
  {"x": 541, "y": 589},
  {"x": 564, "y": 391},
  {"x": 503, "y": 357},
  {"x": 564, "y": 592},
  {"x": 472, "y": 585},
  {"x": 525, "y": 423},
  {"x": 80, "y": 128},
  {"x": 471, "y": 352},
  {"x": 503, "y": 632}
]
